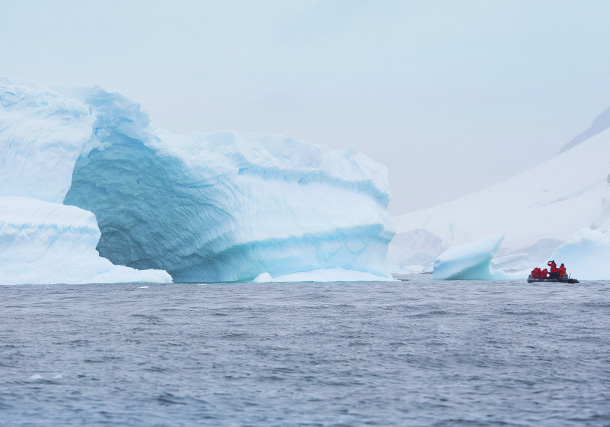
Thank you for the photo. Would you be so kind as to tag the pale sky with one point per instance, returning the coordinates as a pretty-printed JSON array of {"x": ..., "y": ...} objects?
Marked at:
[{"x": 452, "y": 96}]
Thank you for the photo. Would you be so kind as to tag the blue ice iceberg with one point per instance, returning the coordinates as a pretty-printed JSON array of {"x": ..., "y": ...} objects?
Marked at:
[
  {"x": 471, "y": 261},
  {"x": 43, "y": 241},
  {"x": 219, "y": 206},
  {"x": 227, "y": 206}
]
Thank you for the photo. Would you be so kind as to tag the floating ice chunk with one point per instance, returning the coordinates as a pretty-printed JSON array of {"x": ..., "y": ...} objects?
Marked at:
[
  {"x": 35, "y": 377},
  {"x": 324, "y": 275},
  {"x": 263, "y": 278},
  {"x": 470, "y": 261},
  {"x": 586, "y": 255}
]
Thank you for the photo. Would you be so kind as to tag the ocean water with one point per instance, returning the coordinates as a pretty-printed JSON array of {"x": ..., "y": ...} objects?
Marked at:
[{"x": 406, "y": 353}]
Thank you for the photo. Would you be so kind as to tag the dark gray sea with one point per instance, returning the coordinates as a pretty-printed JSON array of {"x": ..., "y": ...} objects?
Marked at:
[{"x": 409, "y": 353}]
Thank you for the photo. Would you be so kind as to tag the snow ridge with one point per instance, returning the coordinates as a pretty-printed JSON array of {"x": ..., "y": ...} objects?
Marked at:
[{"x": 600, "y": 124}]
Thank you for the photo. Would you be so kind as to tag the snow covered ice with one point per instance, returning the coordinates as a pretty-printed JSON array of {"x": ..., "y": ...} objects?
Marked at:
[
  {"x": 41, "y": 136},
  {"x": 322, "y": 275},
  {"x": 84, "y": 173},
  {"x": 42, "y": 242},
  {"x": 536, "y": 211},
  {"x": 204, "y": 207}
]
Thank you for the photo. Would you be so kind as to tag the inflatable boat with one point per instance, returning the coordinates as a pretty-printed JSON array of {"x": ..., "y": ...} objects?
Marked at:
[{"x": 564, "y": 279}]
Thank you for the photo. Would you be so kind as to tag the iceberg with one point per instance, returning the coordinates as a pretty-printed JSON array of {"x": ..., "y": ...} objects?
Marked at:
[
  {"x": 227, "y": 206},
  {"x": 42, "y": 241},
  {"x": 45, "y": 243},
  {"x": 586, "y": 255},
  {"x": 41, "y": 135},
  {"x": 471, "y": 261},
  {"x": 220, "y": 206}
]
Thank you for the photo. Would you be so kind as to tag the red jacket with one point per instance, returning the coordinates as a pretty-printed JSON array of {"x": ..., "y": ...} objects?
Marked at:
[
  {"x": 553, "y": 266},
  {"x": 544, "y": 273},
  {"x": 562, "y": 271}
]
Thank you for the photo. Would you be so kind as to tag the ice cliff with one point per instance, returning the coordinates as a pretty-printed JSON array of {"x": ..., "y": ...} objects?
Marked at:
[
  {"x": 41, "y": 240},
  {"x": 203, "y": 206}
]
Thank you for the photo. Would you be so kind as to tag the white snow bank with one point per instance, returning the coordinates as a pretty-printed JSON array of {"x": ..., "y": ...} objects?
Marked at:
[
  {"x": 536, "y": 211},
  {"x": 46, "y": 243},
  {"x": 323, "y": 275},
  {"x": 470, "y": 261},
  {"x": 586, "y": 256}
]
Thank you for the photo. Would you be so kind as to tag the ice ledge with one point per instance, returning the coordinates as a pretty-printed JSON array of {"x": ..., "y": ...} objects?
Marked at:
[
  {"x": 49, "y": 243},
  {"x": 323, "y": 275}
]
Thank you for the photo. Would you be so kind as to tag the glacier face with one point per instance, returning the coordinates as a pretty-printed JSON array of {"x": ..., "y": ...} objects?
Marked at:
[{"x": 226, "y": 206}]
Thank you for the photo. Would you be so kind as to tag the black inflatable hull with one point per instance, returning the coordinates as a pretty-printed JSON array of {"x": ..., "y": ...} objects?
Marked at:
[{"x": 531, "y": 279}]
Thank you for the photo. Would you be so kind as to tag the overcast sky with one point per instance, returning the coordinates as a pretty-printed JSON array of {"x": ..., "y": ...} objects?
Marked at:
[{"x": 451, "y": 95}]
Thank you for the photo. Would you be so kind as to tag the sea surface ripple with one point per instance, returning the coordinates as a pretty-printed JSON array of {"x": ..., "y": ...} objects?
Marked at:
[{"x": 402, "y": 353}]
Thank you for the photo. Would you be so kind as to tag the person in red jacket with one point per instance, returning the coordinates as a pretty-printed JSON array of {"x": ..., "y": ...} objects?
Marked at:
[
  {"x": 536, "y": 273},
  {"x": 562, "y": 270},
  {"x": 554, "y": 272},
  {"x": 544, "y": 273}
]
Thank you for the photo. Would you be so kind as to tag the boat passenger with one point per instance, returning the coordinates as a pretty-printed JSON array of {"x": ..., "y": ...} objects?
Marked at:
[
  {"x": 544, "y": 273},
  {"x": 536, "y": 273},
  {"x": 554, "y": 272},
  {"x": 562, "y": 270}
]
